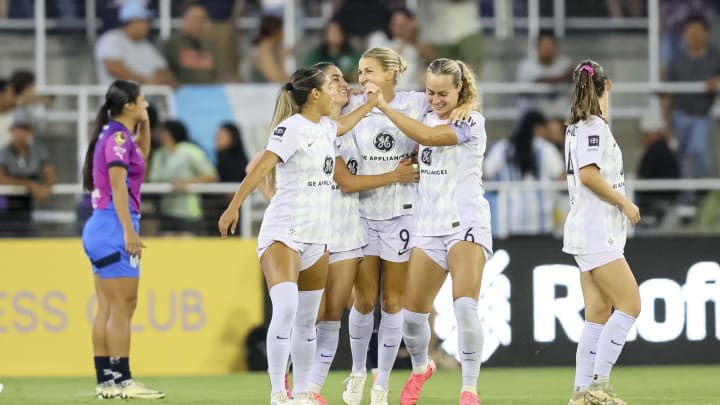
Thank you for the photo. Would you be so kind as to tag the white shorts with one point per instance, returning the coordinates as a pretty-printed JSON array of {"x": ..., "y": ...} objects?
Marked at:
[
  {"x": 388, "y": 238},
  {"x": 310, "y": 253},
  {"x": 594, "y": 260},
  {"x": 346, "y": 255},
  {"x": 438, "y": 247}
]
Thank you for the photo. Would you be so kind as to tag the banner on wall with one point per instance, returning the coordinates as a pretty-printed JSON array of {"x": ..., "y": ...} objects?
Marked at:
[{"x": 198, "y": 300}]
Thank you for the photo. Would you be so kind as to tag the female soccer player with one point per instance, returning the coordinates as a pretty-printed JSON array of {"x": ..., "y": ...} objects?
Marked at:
[
  {"x": 387, "y": 218},
  {"x": 347, "y": 235},
  {"x": 113, "y": 172},
  {"x": 595, "y": 234},
  {"x": 451, "y": 224},
  {"x": 296, "y": 227}
]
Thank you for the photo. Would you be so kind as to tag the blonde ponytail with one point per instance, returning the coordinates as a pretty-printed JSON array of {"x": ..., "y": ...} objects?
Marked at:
[{"x": 388, "y": 58}]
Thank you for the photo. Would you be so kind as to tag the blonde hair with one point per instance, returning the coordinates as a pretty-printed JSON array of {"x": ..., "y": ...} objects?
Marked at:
[
  {"x": 589, "y": 78},
  {"x": 388, "y": 58},
  {"x": 292, "y": 97},
  {"x": 461, "y": 75}
]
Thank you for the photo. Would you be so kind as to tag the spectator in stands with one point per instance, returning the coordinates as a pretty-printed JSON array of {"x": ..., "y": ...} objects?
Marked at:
[
  {"x": 452, "y": 28},
  {"x": 230, "y": 152},
  {"x": 524, "y": 157},
  {"x": 335, "y": 48},
  {"x": 7, "y": 103},
  {"x": 544, "y": 65},
  {"x": 269, "y": 53},
  {"x": 125, "y": 53},
  {"x": 223, "y": 34},
  {"x": 690, "y": 113},
  {"x": 658, "y": 162},
  {"x": 22, "y": 83},
  {"x": 23, "y": 162},
  {"x": 190, "y": 57},
  {"x": 555, "y": 133},
  {"x": 401, "y": 35},
  {"x": 625, "y": 8},
  {"x": 673, "y": 15},
  {"x": 181, "y": 163}
]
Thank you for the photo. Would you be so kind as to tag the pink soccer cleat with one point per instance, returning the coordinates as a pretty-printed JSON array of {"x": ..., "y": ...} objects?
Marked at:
[
  {"x": 468, "y": 398},
  {"x": 411, "y": 391}
]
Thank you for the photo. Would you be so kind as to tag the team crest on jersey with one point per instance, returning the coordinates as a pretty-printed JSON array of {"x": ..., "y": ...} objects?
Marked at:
[
  {"x": 384, "y": 142},
  {"x": 119, "y": 137},
  {"x": 426, "y": 156},
  {"x": 279, "y": 131},
  {"x": 594, "y": 141},
  {"x": 328, "y": 166},
  {"x": 352, "y": 166}
]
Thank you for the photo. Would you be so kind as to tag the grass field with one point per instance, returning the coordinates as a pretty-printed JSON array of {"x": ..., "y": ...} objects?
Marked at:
[{"x": 688, "y": 385}]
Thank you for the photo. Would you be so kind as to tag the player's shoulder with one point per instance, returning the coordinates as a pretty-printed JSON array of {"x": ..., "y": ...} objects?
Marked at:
[
  {"x": 355, "y": 101},
  {"x": 476, "y": 119}
]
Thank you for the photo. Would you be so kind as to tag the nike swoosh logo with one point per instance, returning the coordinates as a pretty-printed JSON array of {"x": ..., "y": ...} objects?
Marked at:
[
  {"x": 464, "y": 352},
  {"x": 323, "y": 355},
  {"x": 592, "y": 352},
  {"x": 312, "y": 340},
  {"x": 309, "y": 144},
  {"x": 402, "y": 252},
  {"x": 282, "y": 338},
  {"x": 386, "y": 345},
  {"x": 615, "y": 343}
]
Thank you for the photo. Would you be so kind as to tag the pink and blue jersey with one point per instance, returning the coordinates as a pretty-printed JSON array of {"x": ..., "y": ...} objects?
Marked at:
[{"x": 115, "y": 147}]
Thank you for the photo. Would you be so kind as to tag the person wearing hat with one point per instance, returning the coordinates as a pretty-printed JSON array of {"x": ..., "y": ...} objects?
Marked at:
[
  {"x": 23, "y": 162},
  {"x": 126, "y": 54}
]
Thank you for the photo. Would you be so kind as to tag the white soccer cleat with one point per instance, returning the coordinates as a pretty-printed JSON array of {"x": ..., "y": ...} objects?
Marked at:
[
  {"x": 281, "y": 398},
  {"x": 378, "y": 395},
  {"x": 106, "y": 390},
  {"x": 602, "y": 394},
  {"x": 354, "y": 386},
  {"x": 132, "y": 389},
  {"x": 306, "y": 398}
]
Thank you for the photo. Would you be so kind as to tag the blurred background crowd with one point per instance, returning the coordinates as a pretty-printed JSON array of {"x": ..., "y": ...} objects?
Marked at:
[{"x": 671, "y": 135}]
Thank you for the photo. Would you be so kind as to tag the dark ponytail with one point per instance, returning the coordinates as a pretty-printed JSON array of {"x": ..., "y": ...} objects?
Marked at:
[
  {"x": 589, "y": 78},
  {"x": 523, "y": 154},
  {"x": 119, "y": 93}
]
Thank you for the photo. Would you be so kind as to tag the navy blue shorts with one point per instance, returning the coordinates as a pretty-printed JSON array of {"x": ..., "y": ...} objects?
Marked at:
[{"x": 104, "y": 245}]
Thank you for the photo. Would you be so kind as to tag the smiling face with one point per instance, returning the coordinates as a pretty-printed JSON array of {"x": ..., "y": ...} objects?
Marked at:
[
  {"x": 338, "y": 84},
  {"x": 442, "y": 95},
  {"x": 370, "y": 70}
]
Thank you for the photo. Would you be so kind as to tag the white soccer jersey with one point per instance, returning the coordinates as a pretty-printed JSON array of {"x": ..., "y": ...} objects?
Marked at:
[
  {"x": 300, "y": 208},
  {"x": 450, "y": 193},
  {"x": 382, "y": 145},
  {"x": 347, "y": 231},
  {"x": 593, "y": 226}
]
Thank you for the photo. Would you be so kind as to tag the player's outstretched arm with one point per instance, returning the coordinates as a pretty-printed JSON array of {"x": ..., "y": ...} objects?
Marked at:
[
  {"x": 405, "y": 172},
  {"x": 229, "y": 218},
  {"x": 346, "y": 122},
  {"x": 441, "y": 135}
]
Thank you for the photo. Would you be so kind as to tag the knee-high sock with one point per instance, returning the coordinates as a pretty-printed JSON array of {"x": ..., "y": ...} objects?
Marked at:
[
  {"x": 361, "y": 329},
  {"x": 611, "y": 342},
  {"x": 470, "y": 340},
  {"x": 389, "y": 338},
  {"x": 416, "y": 333},
  {"x": 585, "y": 355},
  {"x": 304, "y": 339},
  {"x": 284, "y": 297},
  {"x": 328, "y": 334}
]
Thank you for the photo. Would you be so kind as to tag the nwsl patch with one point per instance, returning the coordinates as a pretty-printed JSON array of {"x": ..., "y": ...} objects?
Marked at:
[
  {"x": 279, "y": 131},
  {"x": 594, "y": 141}
]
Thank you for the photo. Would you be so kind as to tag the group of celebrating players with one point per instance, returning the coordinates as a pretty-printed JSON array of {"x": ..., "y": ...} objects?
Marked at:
[{"x": 378, "y": 193}]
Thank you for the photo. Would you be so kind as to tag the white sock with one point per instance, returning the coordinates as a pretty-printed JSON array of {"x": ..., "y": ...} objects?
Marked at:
[
  {"x": 328, "y": 334},
  {"x": 470, "y": 339},
  {"x": 611, "y": 341},
  {"x": 416, "y": 333},
  {"x": 284, "y": 297},
  {"x": 585, "y": 355},
  {"x": 360, "y": 328},
  {"x": 304, "y": 339},
  {"x": 389, "y": 338}
]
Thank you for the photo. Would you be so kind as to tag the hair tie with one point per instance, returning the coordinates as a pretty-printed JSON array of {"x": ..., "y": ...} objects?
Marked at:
[
  {"x": 289, "y": 86},
  {"x": 588, "y": 69}
]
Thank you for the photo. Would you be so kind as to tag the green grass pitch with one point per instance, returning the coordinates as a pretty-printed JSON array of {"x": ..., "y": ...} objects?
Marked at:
[{"x": 687, "y": 385}]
